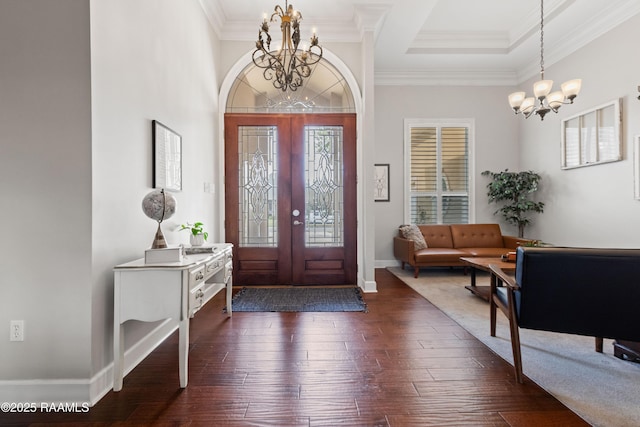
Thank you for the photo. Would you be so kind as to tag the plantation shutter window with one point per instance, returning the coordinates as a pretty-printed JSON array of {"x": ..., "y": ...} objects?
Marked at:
[{"x": 438, "y": 173}]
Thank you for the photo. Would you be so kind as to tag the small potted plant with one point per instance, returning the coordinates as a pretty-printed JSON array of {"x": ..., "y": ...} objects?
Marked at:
[{"x": 198, "y": 235}]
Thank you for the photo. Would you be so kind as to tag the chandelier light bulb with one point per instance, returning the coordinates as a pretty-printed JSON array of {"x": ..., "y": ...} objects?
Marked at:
[
  {"x": 515, "y": 100},
  {"x": 527, "y": 106},
  {"x": 571, "y": 89},
  {"x": 541, "y": 88},
  {"x": 555, "y": 100}
]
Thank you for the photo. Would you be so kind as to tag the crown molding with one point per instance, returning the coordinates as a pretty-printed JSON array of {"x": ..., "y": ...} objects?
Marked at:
[
  {"x": 369, "y": 18},
  {"x": 365, "y": 18},
  {"x": 327, "y": 31},
  {"x": 438, "y": 77},
  {"x": 215, "y": 15},
  {"x": 580, "y": 36}
]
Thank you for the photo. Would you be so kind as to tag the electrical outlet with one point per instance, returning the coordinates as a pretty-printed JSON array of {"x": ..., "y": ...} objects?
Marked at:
[{"x": 16, "y": 330}]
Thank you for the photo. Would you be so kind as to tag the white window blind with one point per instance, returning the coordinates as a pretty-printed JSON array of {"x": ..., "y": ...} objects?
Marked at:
[{"x": 438, "y": 172}]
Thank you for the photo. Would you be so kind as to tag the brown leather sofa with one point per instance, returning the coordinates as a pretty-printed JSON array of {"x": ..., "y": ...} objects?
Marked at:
[{"x": 448, "y": 243}]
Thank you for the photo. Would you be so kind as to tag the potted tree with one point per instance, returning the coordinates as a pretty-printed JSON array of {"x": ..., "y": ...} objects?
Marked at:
[
  {"x": 198, "y": 235},
  {"x": 514, "y": 189}
]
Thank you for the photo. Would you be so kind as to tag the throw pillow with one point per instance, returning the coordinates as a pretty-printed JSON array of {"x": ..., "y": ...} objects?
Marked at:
[{"x": 412, "y": 232}]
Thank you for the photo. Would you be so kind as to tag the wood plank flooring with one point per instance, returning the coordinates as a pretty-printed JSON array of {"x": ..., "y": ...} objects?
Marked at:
[{"x": 404, "y": 363}]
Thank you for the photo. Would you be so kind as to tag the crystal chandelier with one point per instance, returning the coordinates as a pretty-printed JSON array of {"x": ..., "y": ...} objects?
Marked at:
[
  {"x": 288, "y": 66},
  {"x": 547, "y": 100}
]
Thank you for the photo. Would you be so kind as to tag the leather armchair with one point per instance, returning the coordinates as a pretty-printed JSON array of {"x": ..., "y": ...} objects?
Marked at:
[{"x": 582, "y": 291}]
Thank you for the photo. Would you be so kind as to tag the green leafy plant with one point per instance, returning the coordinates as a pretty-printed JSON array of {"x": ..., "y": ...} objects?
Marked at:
[
  {"x": 195, "y": 228},
  {"x": 514, "y": 189}
]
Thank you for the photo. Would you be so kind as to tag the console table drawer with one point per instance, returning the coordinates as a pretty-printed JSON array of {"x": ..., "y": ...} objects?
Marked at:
[
  {"x": 196, "y": 299},
  {"x": 196, "y": 276},
  {"x": 213, "y": 266}
]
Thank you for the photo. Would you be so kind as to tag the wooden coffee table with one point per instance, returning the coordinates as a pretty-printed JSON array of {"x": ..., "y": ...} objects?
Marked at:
[{"x": 482, "y": 264}]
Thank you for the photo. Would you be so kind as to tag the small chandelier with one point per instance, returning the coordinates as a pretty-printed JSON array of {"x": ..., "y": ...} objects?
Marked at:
[
  {"x": 288, "y": 66},
  {"x": 547, "y": 100}
]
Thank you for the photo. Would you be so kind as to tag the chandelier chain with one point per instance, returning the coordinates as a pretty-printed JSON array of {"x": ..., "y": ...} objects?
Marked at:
[{"x": 542, "y": 39}]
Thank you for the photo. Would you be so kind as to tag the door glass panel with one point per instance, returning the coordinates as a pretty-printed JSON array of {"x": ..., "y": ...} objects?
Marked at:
[
  {"x": 258, "y": 186},
  {"x": 324, "y": 187}
]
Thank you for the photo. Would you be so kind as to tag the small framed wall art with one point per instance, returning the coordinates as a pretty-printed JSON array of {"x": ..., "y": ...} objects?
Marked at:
[
  {"x": 381, "y": 185},
  {"x": 167, "y": 157}
]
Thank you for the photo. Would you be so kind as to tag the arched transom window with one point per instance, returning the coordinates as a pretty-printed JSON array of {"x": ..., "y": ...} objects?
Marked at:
[{"x": 325, "y": 91}]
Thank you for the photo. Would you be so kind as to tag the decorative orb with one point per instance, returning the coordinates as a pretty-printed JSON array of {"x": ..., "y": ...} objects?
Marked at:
[{"x": 159, "y": 205}]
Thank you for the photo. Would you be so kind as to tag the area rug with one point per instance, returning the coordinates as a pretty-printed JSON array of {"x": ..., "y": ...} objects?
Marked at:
[
  {"x": 299, "y": 299},
  {"x": 599, "y": 387}
]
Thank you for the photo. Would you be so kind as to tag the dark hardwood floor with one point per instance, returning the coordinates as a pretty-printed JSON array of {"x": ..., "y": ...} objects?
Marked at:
[{"x": 404, "y": 363}]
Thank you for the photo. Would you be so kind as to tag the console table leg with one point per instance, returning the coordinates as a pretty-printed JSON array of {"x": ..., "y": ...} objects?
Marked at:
[
  {"x": 183, "y": 351},
  {"x": 118, "y": 355},
  {"x": 229, "y": 291}
]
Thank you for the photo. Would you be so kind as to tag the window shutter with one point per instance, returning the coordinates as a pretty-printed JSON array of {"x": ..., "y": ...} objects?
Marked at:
[{"x": 439, "y": 174}]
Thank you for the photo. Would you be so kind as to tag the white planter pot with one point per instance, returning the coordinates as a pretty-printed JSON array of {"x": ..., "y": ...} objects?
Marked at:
[{"x": 196, "y": 240}]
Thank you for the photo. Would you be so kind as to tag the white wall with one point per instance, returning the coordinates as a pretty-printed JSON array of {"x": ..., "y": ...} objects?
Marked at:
[
  {"x": 495, "y": 147},
  {"x": 81, "y": 82},
  {"x": 589, "y": 206},
  {"x": 45, "y": 190},
  {"x": 150, "y": 60}
]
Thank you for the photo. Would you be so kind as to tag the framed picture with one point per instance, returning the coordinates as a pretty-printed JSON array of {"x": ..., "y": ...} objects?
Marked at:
[
  {"x": 167, "y": 157},
  {"x": 381, "y": 187},
  {"x": 592, "y": 137},
  {"x": 636, "y": 167}
]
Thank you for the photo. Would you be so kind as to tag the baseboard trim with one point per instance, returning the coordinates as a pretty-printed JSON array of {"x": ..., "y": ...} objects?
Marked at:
[
  {"x": 84, "y": 392},
  {"x": 368, "y": 286},
  {"x": 58, "y": 391},
  {"x": 384, "y": 263}
]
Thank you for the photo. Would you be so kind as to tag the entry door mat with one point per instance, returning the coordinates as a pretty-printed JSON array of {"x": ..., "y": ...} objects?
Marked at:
[{"x": 299, "y": 299}]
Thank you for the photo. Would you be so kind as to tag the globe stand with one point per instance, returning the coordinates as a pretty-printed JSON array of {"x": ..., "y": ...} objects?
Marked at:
[{"x": 159, "y": 242}]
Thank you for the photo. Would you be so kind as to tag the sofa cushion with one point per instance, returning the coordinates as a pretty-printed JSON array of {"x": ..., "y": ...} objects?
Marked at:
[
  {"x": 412, "y": 232},
  {"x": 437, "y": 235},
  {"x": 438, "y": 255},
  {"x": 476, "y": 236}
]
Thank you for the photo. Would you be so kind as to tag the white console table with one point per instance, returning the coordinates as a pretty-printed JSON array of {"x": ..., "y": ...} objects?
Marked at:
[{"x": 177, "y": 290}]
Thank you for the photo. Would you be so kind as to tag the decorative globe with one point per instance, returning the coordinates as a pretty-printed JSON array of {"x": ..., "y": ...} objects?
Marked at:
[{"x": 159, "y": 205}]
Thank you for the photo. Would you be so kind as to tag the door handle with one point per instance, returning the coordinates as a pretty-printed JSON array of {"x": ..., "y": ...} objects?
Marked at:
[{"x": 296, "y": 222}]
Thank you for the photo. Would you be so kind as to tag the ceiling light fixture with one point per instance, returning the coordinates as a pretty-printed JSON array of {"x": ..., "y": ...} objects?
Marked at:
[
  {"x": 288, "y": 66},
  {"x": 547, "y": 100}
]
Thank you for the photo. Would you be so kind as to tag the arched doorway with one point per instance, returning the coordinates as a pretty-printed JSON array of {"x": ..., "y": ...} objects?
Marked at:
[{"x": 290, "y": 179}]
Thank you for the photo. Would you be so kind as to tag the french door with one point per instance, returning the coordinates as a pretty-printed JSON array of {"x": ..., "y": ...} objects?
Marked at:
[{"x": 290, "y": 183}]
